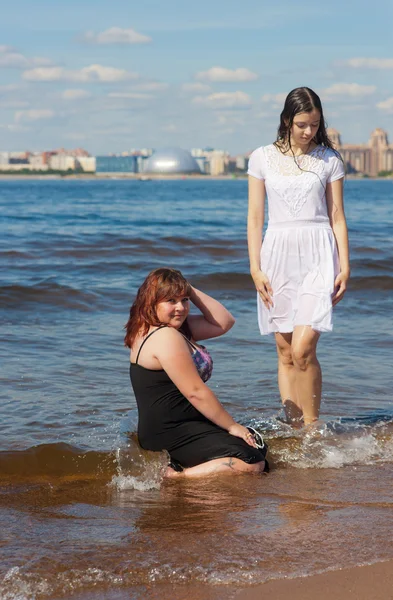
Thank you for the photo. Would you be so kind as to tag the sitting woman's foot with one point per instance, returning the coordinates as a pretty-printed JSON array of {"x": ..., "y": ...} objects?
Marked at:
[{"x": 171, "y": 473}]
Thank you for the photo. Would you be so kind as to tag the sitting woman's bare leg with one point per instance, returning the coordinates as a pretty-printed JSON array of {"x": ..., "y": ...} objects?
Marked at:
[{"x": 229, "y": 465}]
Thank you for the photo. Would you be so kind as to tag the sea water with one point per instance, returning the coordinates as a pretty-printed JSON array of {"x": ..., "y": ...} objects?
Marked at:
[{"x": 84, "y": 513}]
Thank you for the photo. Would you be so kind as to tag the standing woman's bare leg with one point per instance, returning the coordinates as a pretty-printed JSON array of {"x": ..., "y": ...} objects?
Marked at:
[
  {"x": 287, "y": 378},
  {"x": 308, "y": 371}
]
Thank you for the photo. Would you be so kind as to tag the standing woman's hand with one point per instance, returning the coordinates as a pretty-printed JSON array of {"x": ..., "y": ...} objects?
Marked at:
[
  {"x": 340, "y": 286},
  {"x": 263, "y": 287}
]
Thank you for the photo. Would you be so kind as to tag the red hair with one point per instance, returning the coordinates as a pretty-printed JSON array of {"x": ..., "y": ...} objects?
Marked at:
[{"x": 160, "y": 285}]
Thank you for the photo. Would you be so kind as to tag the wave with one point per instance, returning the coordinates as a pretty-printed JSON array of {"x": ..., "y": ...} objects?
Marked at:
[
  {"x": 65, "y": 297},
  {"x": 364, "y": 440},
  {"x": 371, "y": 283},
  {"x": 126, "y": 467},
  {"x": 224, "y": 281},
  {"x": 243, "y": 281},
  {"x": 333, "y": 444},
  {"x": 55, "y": 460},
  {"x": 47, "y": 293},
  {"x": 120, "y": 247}
]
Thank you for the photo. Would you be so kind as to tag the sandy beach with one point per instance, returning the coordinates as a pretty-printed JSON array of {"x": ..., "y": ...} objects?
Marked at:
[{"x": 371, "y": 582}]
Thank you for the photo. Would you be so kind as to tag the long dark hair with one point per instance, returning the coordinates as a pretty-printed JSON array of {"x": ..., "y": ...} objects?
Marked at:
[
  {"x": 300, "y": 100},
  {"x": 160, "y": 285}
]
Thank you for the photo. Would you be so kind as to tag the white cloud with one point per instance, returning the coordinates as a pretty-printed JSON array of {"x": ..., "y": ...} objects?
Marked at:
[
  {"x": 224, "y": 100},
  {"x": 170, "y": 128},
  {"x": 274, "y": 99},
  {"x": 105, "y": 74},
  {"x": 386, "y": 105},
  {"x": 195, "y": 87},
  {"x": 116, "y": 35},
  {"x": 90, "y": 74},
  {"x": 367, "y": 63},
  {"x": 10, "y": 58},
  {"x": 150, "y": 86},
  {"x": 9, "y": 87},
  {"x": 75, "y": 136},
  {"x": 224, "y": 119},
  {"x": 72, "y": 94},
  {"x": 131, "y": 95},
  {"x": 45, "y": 74},
  {"x": 15, "y": 128},
  {"x": 13, "y": 104},
  {"x": 226, "y": 75},
  {"x": 33, "y": 115},
  {"x": 349, "y": 89}
]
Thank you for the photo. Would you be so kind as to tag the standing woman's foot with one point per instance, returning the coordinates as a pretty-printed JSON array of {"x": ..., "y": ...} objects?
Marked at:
[{"x": 293, "y": 414}]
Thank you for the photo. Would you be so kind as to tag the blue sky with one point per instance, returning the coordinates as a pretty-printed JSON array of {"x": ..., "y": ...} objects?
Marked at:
[{"x": 111, "y": 76}]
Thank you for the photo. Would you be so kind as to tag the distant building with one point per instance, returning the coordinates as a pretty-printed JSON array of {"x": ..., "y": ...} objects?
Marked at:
[
  {"x": 61, "y": 162},
  {"x": 211, "y": 161},
  {"x": 87, "y": 164},
  {"x": 38, "y": 161},
  {"x": 116, "y": 164},
  {"x": 367, "y": 159},
  {"x": 200, "y": 156},
  {"x": 170, "y": 161},
  {"x": 53, "y": 160},
  {"x": 241, "y": 163},
  {"x": 236, "y": 164},
  {"x": 21, "y": 161},
  {"x": 218, "y": 160}
]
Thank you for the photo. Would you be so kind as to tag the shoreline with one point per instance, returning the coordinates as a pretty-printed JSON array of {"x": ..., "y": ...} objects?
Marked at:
[
  {"x": 150, "y": 177},
  {"x": 353, "y": 583}
]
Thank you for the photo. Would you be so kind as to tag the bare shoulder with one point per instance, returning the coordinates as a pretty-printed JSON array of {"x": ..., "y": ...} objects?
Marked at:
[{"x": 169, "y": 338}]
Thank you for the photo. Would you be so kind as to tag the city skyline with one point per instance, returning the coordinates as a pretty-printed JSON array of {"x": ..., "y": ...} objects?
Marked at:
[
  {"x": 188, "y": 76},
  {"x": 372, "y": 159},
  {"x": 144, "y": 149}
]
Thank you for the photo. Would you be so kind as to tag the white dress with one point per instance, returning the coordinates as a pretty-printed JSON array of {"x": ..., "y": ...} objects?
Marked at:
[{"x": 298, "y": 253}]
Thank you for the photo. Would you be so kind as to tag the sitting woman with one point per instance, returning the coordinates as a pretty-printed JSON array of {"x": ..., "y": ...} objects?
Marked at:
[{"x": 177, "y": 411}]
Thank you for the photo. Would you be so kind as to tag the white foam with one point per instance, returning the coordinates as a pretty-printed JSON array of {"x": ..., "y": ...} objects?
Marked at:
[
  {"x": 335, "y": 453},
  {"x": 139, "y": 470},
  {"x": 128, "y": 482}
]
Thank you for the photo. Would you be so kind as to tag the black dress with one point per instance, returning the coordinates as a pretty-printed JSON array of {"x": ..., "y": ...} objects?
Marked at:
[{"x": 168, "y": 421}]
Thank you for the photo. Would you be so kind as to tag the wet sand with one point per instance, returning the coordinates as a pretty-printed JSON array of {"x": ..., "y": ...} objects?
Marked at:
[{"x": 358, "y": 583}]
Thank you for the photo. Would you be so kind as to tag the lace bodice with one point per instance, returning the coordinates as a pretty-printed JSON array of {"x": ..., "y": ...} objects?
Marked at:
[{"x": 296, "y": 186}]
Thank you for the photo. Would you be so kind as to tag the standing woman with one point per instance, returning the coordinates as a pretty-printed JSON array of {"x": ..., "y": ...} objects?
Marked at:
[{"x": 301, "y": 267}]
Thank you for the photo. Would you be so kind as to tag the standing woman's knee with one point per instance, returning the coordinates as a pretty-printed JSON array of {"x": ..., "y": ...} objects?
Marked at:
[
  {"x": 302, "y": 356},
  {"x": 285, "y": 355}
]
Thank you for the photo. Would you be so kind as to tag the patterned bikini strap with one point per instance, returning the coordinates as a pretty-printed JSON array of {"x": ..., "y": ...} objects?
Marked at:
[
  {"x": 193, "y": 346},
  {"x": 145, "y": 340}
]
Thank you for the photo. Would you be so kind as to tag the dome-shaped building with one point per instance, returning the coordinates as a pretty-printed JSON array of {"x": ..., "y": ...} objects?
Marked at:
[{"x": 171, "y": 161}]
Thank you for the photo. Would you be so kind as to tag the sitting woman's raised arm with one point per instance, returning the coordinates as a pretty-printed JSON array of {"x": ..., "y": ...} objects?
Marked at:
[{"x": 215, "y": 319}]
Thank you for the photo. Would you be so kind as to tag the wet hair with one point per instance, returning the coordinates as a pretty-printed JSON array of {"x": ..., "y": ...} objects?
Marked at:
[
  {"x": 300, "y": 100},
  {"x": 159, "y": 286}
]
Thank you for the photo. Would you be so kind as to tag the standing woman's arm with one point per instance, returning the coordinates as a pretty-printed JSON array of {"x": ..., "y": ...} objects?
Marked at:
[
  {"x": 255, "y": 221},
  {"x": 335, "y": 206}
]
